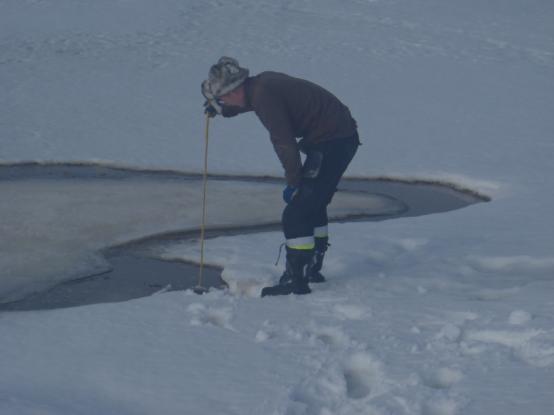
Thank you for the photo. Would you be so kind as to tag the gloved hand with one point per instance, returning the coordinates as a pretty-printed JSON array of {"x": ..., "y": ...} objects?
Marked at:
[
  {"x": 289, "y": 193},
  {"x": 211, "y": 105},
  {"x": 210, "y": 109}
]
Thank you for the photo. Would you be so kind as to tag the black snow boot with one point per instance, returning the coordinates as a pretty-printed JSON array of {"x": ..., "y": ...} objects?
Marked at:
[
  {"x": 321, "y": 245},
  {"x": 295, "y": 278}
]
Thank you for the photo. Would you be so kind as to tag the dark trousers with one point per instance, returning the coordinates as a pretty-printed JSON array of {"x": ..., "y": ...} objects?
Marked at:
[{"x": 308, "y": 209}]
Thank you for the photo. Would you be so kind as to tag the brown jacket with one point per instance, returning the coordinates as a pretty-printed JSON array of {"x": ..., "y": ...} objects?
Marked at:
[{"x": 293, "y": 108}]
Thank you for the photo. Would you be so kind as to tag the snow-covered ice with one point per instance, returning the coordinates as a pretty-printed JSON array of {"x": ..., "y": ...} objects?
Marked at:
[{"x": 435, "y": 315}]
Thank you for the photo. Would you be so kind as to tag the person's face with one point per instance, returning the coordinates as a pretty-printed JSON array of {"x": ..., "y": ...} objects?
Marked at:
[{"x": 235, "y": 98}]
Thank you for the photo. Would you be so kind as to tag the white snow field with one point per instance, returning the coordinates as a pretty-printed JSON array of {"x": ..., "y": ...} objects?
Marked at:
[{"x": 435, "y": 315}]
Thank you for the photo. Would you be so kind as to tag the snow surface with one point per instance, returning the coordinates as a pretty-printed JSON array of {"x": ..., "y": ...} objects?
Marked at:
[{"x": 437, "y": 315}]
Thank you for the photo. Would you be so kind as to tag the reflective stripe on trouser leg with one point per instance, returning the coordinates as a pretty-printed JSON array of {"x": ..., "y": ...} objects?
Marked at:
[
  {"x": 304, "y": 243},
  {"x": 321, "y": 231}
]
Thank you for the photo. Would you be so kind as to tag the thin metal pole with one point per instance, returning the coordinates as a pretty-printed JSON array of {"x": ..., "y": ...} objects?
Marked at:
[{"x": 199, "y": 289}]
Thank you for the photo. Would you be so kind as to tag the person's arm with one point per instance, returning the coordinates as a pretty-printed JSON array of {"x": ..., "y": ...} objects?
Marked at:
[{"x": 272, "y": 112}]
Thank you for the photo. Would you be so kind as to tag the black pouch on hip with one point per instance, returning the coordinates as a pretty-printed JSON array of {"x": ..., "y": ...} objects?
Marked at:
[{"x": 312, "y": 164}]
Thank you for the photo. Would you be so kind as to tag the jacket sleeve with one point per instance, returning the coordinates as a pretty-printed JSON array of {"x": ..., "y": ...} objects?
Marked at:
[{"x": 272, "y": 112}]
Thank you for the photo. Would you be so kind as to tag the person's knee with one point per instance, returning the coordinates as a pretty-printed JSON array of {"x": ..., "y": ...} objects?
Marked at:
[{"x": 306, "y": 195}]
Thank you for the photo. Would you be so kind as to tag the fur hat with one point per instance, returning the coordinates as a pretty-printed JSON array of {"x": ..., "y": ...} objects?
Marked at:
[{"x": 225, "y": 76}]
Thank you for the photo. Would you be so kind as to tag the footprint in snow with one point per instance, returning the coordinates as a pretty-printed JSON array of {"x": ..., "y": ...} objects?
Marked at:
[
  {"x": 340, "y": 386},
  {"x": 364, "y": 376}
]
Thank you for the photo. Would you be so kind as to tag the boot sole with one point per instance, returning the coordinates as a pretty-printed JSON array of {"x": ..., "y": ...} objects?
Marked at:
[{"x": 278, "y": 290}]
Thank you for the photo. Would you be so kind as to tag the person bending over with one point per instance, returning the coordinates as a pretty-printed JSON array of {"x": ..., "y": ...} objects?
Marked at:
[{"x": 291, "y": 108}]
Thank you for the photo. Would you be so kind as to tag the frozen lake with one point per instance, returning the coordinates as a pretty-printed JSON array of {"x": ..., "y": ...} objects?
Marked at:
[{"x": 97, "y": 230}]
